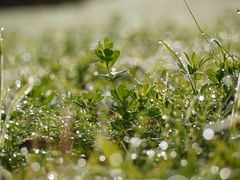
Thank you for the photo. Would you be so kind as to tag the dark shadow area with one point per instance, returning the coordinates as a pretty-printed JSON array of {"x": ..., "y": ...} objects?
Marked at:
[{"x": 15, "y": 3}]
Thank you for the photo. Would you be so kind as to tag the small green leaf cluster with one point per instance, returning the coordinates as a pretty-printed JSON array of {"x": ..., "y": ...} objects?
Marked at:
[{"x": 106, "y": 54}]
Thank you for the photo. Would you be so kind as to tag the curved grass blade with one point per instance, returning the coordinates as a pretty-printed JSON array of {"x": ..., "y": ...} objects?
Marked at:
[
  {"x": 18, "y": 97},
  {"x": 181, "y": 65}
]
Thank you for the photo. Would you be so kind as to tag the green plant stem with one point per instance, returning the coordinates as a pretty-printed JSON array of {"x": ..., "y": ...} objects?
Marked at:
[
  {"x": 236, "y": 106},
  {"x": 112, "y": 81},
  {"x": 195, "y": 20},
  {"x": 205, "y": 36},
  {"x": 1, "y": 80}
]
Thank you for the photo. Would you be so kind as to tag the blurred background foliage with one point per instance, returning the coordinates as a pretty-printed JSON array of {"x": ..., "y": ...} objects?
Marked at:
[{"x": 7, "y": 3}]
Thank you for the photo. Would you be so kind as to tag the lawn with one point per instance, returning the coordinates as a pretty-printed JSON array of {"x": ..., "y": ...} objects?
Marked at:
[{"x": 120, "y": 90}]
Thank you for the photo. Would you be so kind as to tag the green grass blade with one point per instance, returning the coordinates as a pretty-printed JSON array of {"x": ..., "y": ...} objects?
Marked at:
[
  {"x": 1, "y": 77},
  {"x": 173, "y": 53},
  {"x": 18, "y": 97},
  {"x": 236, "y": 106},
  {"x": 181, "y": 65}
]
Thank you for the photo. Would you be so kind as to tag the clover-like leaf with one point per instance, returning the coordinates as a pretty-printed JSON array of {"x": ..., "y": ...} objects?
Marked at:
[
  {"x": 115, "y": 56},
  {"x": 99, "y": 54},
  {"x": 107, "y": 43}
]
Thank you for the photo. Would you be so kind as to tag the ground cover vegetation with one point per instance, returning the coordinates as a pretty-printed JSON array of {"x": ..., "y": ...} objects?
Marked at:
[{"x": 156, "y": 102}]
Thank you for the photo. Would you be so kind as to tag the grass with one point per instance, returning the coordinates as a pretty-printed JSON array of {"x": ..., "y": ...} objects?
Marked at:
[{"x": 76, "y": 105}]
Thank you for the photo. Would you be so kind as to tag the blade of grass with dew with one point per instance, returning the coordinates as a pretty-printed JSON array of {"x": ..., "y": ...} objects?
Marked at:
[
  {"x": 181, "y": 64},
  {"x": 18, "y": 97},
  {"x": 236, "y": 106},
  {"x": 206, "y": 36},
  {"x": 1, "y": 77}
]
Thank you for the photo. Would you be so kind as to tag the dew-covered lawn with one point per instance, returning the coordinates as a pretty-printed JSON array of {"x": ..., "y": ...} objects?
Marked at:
[{"x": 157, "y": 99}]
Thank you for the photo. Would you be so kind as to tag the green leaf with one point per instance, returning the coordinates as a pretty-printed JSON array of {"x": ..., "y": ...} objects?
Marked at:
[
  {"x": 115, "y": 56},
  {"x": 114, "y": 95},
  {"x": 87, "y": 95},
  {"x": 97, "y": 97},
  {"x": 107, "y": 43},
  {"x": 204, "y": 88},
  {"x": 99, "y": 54},
  {"x": 154, "y": 112},
  {"x": 191, "y": 70},
  {"x": 187, "y": 57},
  {"x": 123, "y": 92},
  {"x": 198, "y": 76},
  {"x": 119, "y": 75},
  {"x": 106, "y": 76},
  {"x": 193, "y": 59},
  {"x": 212, "y": 76},
  {"x": 174, "y": 54},
  {"x": 116, "y": 125},
  {"x": 220, "y": 75},
  {"x": 108, "y": 53},
  {"x": 101, "y": 64},
  {"x": 100, "y": 46}
]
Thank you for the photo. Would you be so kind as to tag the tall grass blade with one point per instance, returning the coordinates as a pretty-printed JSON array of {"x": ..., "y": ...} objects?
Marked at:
[
  {"x": 181, "y": 64},
  {"x": 236, "y": 106},
  {"x": 1, "y": 78},
  {"x": 18, "y": 97}
]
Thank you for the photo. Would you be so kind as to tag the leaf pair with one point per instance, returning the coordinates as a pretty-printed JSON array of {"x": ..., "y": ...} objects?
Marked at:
[
  {"x": 215, "y": 76},
  {"x": 114, "y": 75},
  {"x": 106, "y": 54}
]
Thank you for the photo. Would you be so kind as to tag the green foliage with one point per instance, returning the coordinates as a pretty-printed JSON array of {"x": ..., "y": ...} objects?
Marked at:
[{"x": 125, "y": 117}]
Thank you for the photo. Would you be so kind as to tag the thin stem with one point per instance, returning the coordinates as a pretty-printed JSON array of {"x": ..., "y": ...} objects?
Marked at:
[
  {"x": 112, "y": 81},
  {"x": 236, "y": 106},
  {"x": 1, "y": 78},
  {"x": 206, "y": 37},
  {"x": 198, "y": 26}
]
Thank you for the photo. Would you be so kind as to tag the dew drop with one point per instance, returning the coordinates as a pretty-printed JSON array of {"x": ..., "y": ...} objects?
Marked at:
[
  {"x": 95, "y": 73},
  {"x": 36, "y": 151},
  {"x": 201, "y": 98},
  {"x": 213, "y": 96},
  {"x": 184, "y": 162},
  {"x": 214, "y": 169},
  {"x": 208, "y": 134},
  {"x": 225, "y": 173},
  {"x": 238, "y": 11},
  {"x": 136, "y": 142},
  {"x": 116, "y": 159},
  {"x": 102, "y": 158},
  {"x": 52, "y": 175},
  {"x": 35, "y": 166},
  {"x": 173, "y": 154},
  {"x": 150, "y": 153},
  {"x": 163, "y": 145},
  {"x": 24, "y": 151},
  {"x": 81, "y": 162},
  {"x": 133, "y": 156},
  {"x": 164, "y": 117},
  {"x": 18, "y": 84}
]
